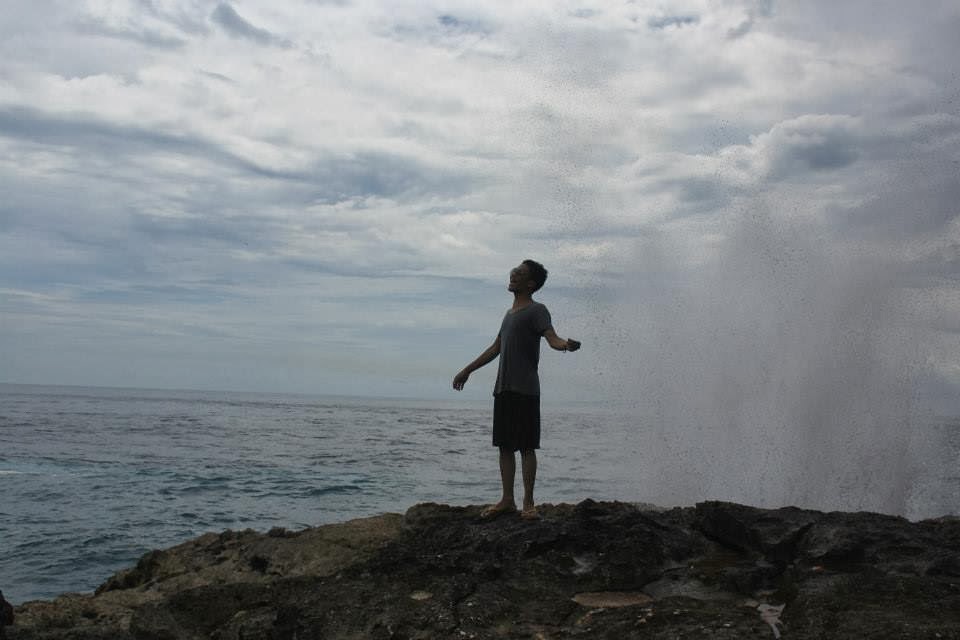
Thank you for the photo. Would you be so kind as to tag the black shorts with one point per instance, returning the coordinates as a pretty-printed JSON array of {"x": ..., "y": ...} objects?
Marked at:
[{"x": 516, "y": 421}]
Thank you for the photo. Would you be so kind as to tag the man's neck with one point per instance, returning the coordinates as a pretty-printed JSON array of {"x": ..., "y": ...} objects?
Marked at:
[{"x": 521, "y": 300}]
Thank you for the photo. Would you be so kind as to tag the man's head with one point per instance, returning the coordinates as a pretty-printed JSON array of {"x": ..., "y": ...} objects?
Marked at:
[{"x": 529, "y": 275}]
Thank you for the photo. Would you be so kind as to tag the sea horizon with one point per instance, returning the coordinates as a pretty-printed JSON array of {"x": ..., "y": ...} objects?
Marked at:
[{"x": 453, "y": 399}]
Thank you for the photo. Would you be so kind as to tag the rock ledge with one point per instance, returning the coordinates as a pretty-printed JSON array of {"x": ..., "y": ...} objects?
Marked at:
[{"x": 591, "y": 570}]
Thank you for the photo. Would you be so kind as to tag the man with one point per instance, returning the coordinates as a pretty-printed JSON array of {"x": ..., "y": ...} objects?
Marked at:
[{"x": 516, "y": 395}]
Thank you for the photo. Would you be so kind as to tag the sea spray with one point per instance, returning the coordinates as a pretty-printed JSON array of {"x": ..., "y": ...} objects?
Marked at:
[{"x": 774, "y": 364}]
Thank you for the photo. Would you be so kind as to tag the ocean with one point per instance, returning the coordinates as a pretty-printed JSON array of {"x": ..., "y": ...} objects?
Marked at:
[{"x": 92, "y": 478}]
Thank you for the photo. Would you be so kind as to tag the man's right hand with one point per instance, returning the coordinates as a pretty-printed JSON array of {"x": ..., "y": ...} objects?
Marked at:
[{"x": 460, "y": 379}]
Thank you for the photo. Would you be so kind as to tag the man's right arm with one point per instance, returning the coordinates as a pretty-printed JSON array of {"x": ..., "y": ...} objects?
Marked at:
[{"x": 484, "y": 358}]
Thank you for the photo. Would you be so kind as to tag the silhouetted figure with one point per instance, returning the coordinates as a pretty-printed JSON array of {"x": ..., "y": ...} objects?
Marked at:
[
  {"x": 516, "y": 404},
  {"x": 6, "y": 615}
]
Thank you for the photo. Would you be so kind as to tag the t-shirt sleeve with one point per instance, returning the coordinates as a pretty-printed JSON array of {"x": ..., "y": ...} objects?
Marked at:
[{"x": 541, "y": 320}]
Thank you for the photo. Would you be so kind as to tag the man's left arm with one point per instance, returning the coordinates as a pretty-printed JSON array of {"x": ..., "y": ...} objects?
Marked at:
[{"x": 558, "y": 343}]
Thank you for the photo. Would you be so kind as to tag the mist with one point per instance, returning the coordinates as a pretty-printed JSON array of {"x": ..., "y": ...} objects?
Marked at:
[{"x": 776, "y": 363}]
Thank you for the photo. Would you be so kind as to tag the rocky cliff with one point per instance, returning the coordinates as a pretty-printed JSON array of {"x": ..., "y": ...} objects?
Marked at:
[{"x": 591, "y": 570}]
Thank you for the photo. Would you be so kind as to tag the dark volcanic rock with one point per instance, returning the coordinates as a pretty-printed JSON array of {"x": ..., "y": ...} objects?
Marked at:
[
  {"x": 773, "y": 534},
  {"x": 6, "y": 615},
  {"x": 592, "y": 570}
]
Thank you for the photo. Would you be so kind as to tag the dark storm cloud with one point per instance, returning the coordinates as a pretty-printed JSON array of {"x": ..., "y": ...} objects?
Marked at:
[{"x": 238, "y": 27}]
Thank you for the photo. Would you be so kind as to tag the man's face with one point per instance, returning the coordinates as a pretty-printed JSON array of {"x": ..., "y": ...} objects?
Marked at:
[{"x": 520, "y": 279}]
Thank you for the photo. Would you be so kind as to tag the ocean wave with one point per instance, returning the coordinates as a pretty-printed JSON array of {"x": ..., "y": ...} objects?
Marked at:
[{"x": 340, "y": 488}]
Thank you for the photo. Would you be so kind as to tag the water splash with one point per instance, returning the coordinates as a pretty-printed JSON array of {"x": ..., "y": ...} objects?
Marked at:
[{"x": 775, "y": 364}]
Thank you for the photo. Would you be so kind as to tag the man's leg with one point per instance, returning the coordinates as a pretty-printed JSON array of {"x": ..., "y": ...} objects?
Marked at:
[
  {"x": 528, "y": 462},
  {"x": 508, "y": 471}
]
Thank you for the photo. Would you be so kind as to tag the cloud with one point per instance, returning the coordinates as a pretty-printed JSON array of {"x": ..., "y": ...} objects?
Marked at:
[
  {"x": 81, "y": 131},
  {"x": 809, "y": 143},
  {"x": 922, "y": 206},
  {"x": 664, "y": 22},
  {"x": 755, "y": 10},
  {"x": 328, "y": 177},
  {"x": 238, "y": 27},
  {"x": 822, "y": 146},
  {"x": 187, "y": 17},
  {"x": 461, "y": 25},
  {"x": 462, "y": 33},
  {"x": 149, "y": 23},
  {"x": 145, "y": 37}
]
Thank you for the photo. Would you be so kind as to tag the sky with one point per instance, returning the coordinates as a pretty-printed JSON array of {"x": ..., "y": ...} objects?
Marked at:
[{"x": 736, "y": 199}]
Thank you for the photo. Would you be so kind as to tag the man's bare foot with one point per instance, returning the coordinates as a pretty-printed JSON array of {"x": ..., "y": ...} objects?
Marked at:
[
  {"x": 499, "y": 509},
  {"x": 530, "y": 513}
]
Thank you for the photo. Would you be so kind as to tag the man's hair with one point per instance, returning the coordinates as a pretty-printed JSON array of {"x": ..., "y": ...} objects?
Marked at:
[{"x": 537, "y": 271}]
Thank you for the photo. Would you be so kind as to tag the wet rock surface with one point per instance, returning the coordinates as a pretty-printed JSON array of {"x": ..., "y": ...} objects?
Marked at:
[{"x": 591, "y": 570}]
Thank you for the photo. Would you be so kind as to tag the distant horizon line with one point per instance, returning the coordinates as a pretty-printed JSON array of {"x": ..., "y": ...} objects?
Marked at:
[
  {"x": 209, "y": 390},
  {"x": 467, "y": 400}
]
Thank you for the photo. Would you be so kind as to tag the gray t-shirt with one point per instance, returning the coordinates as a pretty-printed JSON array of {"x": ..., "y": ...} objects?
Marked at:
[{"x": 520, "y": 334}]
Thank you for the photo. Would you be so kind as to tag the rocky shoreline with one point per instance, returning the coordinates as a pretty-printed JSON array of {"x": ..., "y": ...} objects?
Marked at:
[{"x": 591, "y": 570}]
